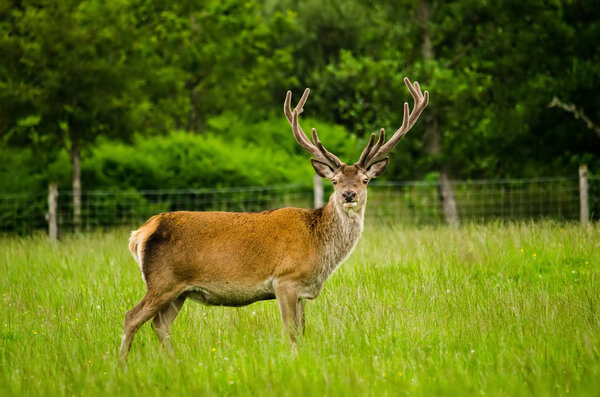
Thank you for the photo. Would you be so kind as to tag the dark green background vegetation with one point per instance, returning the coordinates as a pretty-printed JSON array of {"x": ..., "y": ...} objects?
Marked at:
[{"x": 180, "y": 94}]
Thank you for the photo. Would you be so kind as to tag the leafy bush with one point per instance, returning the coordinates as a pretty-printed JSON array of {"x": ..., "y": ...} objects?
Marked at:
[
  {"x": 233, "y": 153},
  {"x": 20, "y": 171},
  {"x": 183, "y": 160}
]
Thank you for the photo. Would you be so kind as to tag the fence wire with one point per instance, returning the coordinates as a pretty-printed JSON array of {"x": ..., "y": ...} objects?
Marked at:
[{"x": 394, "y": 202}]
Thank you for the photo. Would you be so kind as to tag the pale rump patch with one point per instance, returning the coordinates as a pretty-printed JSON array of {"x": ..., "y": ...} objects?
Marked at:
[{"x": 135, "y": 247}]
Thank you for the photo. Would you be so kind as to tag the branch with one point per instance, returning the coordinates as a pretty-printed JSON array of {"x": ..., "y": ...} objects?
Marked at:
[
  {"x": 577, "y": 113},
  {"x": 458, "y": 56}
]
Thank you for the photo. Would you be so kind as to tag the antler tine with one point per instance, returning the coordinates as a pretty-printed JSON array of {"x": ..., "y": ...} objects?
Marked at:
[
  {"x": 287, "y": 109},
  {"x": 317, "y": 149},
  {"x": 332, "y": 157},
  {"x": 300, "y": 107},
  {"x": 366, "y": 150},
  {"x": 418, "y": 106},
  {"x": 303, "y": 140},
  {"x": 371, "y": 149},
  {"x": 379, "y": 143},
  {"x": 408, "y": 121}
]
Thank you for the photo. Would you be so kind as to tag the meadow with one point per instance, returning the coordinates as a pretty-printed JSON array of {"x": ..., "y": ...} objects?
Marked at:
[{"x": 495, "y": 309}]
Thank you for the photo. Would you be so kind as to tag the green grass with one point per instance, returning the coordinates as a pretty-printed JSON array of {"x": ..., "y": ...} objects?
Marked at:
[{"x": 498, "y": 309}]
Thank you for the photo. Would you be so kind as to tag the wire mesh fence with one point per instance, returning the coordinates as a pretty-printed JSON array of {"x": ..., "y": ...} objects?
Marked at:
[
  {"x": 481, "y": 200},
  {"x": 393, "y": 202},
  {"x": 106, "y": 209},
  {"x": 23, "y": 213}
]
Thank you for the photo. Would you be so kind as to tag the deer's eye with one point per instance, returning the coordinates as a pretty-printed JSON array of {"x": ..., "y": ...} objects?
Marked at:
[
  {"x": 334, "y": 181},
  {"x": 366, "y": 180}
]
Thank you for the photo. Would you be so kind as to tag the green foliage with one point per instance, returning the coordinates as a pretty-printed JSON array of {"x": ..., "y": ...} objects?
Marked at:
[
  {"x": 234, "y": 153},
  {"x": 69, "y": 73},
  {"x": 88, "y": 72},
  {"x": 184, "y": 160},
  {"x": 20, "y": 171},
  {"x": 223, "y": 56},
  {"x": 494, "y": 310}
]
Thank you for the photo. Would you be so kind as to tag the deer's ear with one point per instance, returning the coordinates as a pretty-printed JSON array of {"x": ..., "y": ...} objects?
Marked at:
[
  {"x": 322, "y": 169},
  {"x": 377, "y": 168}
]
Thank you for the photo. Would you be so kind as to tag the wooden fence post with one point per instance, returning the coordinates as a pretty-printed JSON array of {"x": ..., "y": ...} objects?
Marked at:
[
  {"x": 318, "y": 191},
  {"x": 584, "y": 209},
  {"x": 52, "y": 213}
]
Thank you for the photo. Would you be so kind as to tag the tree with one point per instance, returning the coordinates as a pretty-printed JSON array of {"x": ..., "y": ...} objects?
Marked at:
[
  {"x": 223, "y": 56},
  {"x": 432, "y": 133},
  {"x": 70, "y": 76}
]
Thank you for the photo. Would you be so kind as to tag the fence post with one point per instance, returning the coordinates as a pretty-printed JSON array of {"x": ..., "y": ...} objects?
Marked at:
[
  {"x": 584, "y": 209},
  {"x": 318, "y": 191},
  {"x": 52, "y": 215}
]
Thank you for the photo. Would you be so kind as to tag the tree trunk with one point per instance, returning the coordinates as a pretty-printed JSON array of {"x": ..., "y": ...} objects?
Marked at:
[
  {"x": 52, "y": 215},
  {"x": 193, "y": 116},
  {"x": 196, "y": 122},
  {"x": 433, "y": 138},
  {"x": 75, "y": 160},
  {"x": 448, "y": 198}
]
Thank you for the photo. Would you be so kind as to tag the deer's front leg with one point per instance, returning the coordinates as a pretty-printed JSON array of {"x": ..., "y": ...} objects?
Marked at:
[{"x": 287, "y": 297}]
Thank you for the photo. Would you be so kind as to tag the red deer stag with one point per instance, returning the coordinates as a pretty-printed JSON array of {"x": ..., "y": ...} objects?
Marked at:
[{"x": 234, "y": 259}]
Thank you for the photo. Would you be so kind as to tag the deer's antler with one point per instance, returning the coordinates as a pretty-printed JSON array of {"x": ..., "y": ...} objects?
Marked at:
[
  {"x": 315, "y": 148},
  {"x": 374, "y": 151}
]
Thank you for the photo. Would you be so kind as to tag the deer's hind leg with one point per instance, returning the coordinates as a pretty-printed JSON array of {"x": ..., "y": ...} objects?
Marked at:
[
  {"x": 163, "y": 320},
  {"x": 150, "y": 305}
]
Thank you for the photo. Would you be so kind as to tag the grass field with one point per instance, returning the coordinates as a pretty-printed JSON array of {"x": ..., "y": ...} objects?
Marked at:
[{"x": 498, "y": 309}]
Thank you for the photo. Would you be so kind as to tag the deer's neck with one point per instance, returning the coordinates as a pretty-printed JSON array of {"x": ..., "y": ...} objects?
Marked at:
[{"x": 340, "y": 230}]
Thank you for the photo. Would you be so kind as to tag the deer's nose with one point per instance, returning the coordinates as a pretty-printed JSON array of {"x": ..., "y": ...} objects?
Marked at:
[{"x": 349, "y": 195}]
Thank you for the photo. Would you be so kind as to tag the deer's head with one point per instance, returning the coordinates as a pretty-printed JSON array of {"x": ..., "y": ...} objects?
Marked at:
[{"x": 350, "y": 181}]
